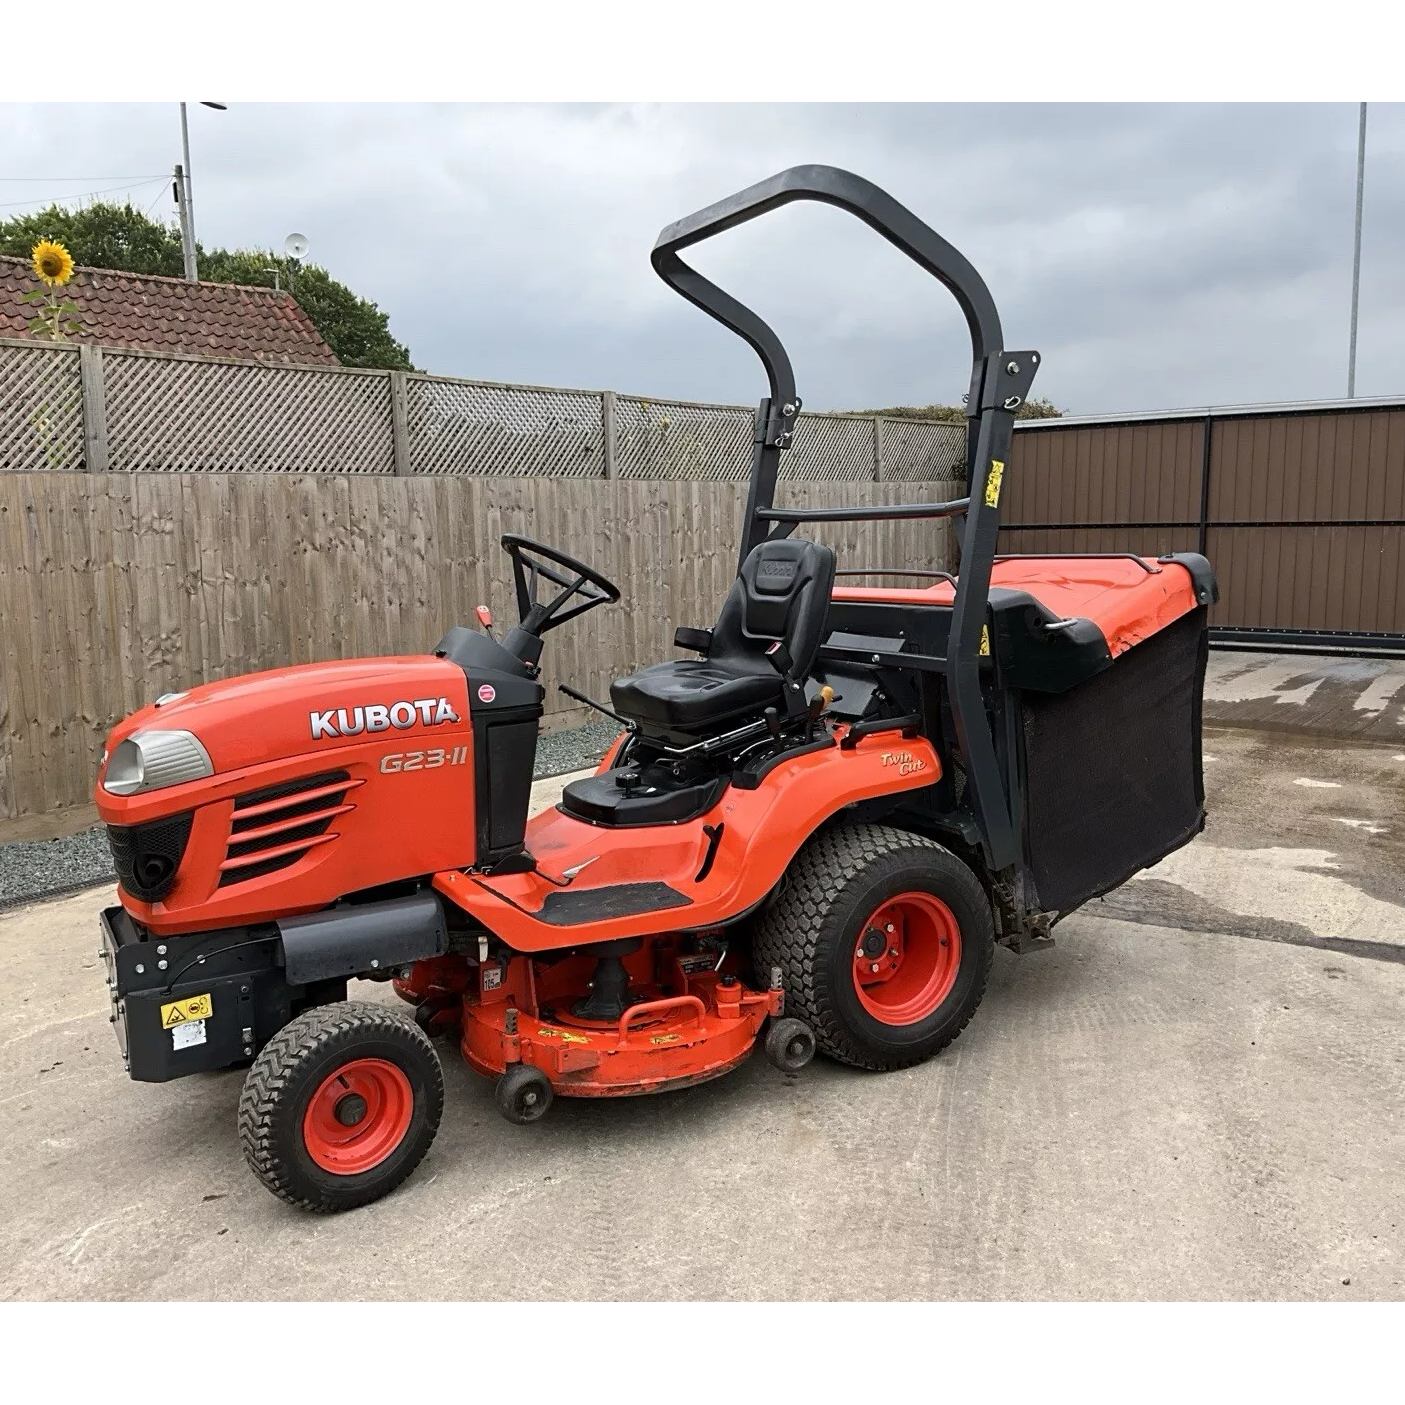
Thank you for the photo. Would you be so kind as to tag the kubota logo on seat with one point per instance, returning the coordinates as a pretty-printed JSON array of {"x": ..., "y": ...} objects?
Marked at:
[{"x": 378, "y": 717}]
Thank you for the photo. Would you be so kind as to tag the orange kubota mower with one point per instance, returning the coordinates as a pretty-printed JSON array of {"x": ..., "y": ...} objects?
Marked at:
[{"x": 811, "y": 833}]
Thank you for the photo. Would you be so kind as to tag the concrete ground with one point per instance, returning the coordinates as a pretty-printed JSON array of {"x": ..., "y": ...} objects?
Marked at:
[
  {"x": 1330, "y": 695},
  {"x": 1197, "y": 1094}
]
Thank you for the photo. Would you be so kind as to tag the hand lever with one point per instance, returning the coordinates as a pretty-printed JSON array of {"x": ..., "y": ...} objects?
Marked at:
[{"x": 628, "y": 724}]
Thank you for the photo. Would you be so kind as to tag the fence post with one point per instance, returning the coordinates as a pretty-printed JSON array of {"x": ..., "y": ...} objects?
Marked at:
[
  {"x": 94, "y": 408},
  {"x": 607, "y": 430},
  {"x": 878, "y": 448},
  {"x": 400, "y": 425}
]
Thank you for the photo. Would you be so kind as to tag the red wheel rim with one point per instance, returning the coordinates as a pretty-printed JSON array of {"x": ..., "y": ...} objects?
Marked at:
[
  {"x": 907, "y": 977},
  {"x": 358, "y": 1116}
]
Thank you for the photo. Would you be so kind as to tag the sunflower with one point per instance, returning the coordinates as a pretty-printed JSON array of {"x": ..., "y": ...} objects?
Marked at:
[{"x": 52, "y": 263}]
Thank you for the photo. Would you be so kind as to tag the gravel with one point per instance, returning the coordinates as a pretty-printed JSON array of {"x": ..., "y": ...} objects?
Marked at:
[
  {"x": 46, "y": 868},
  {"x": 574, "y": 750}
]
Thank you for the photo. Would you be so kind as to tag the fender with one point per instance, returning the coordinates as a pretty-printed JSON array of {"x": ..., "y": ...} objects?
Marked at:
[{"x": 629, "y": 882}]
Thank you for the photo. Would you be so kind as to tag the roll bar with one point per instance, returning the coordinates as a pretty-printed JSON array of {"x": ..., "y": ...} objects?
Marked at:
[
  {"x": 831, "y": 186},
  {"x": 1000, "y": 382}
]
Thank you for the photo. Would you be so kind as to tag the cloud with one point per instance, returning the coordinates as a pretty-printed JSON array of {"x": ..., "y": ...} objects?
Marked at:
[{"x": 1156, "y": 255}]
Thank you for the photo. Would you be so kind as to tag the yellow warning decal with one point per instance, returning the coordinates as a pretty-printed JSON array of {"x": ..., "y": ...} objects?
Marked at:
[
  {"x": 663, "y": 1039},
  {"x": 984, "y": 650},
  {"x": 194, "y": 1007},
  {"x": 992, "y": 483},
  {"x": 564, "y": 1035}
]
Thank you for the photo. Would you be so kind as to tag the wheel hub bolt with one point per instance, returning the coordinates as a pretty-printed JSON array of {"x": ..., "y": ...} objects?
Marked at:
[
  {"x": 874, "y": 967},
  {"x": 530, "y": 1097},
  {"x": 892, "y": 951}
]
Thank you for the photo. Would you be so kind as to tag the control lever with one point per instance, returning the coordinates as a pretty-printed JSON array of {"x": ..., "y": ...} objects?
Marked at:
[
  {"x": 773, "y": 723},
  {"x": 627, "y": 723},
  {"x": 485, "y": 618}
]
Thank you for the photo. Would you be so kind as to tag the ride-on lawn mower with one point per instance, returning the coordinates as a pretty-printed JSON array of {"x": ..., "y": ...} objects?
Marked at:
[{"x": 812, "y": 833}]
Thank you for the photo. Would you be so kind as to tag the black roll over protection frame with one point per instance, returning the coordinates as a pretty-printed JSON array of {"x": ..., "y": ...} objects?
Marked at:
[{"x": 1000, "y": 382}]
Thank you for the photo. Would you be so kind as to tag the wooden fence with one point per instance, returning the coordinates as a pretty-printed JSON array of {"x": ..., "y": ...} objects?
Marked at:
[{"x": 115, "y": 588}]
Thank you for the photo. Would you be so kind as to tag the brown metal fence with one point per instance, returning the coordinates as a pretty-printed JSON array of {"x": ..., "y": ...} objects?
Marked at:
[{"x": 1301, "y": 510}]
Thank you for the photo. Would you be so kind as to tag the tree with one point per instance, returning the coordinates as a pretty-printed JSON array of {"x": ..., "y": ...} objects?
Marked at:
[
  {"x": 1035, "y": 408},
  {"x": 107, "y": 235}
]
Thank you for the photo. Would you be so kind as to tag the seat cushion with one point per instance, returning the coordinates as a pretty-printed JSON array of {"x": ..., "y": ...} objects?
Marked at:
[{"x": 690, "y": 694}]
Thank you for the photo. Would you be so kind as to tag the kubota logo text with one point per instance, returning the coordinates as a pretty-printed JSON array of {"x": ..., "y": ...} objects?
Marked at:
[{"x": 378, "y": 717}]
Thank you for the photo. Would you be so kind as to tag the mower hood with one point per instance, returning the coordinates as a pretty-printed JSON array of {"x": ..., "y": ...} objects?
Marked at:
[{"x": 309, "y": 708}]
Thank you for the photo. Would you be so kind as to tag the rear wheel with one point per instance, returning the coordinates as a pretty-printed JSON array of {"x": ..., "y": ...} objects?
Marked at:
[
  {"x": 884, "y": 940},
  {"x": 341, "y": 1106}
]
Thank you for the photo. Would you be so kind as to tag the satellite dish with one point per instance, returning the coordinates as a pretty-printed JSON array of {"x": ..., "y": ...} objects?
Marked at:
[{"x": 296, "y": 246}]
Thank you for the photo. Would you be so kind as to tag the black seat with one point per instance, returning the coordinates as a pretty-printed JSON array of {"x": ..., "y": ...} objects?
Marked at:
[{"x": 781, "y": 595}]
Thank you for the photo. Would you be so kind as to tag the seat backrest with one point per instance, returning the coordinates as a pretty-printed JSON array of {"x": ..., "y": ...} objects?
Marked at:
[{"x": 782, "y": 592}]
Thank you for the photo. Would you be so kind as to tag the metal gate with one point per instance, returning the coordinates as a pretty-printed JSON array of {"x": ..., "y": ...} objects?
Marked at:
[{"x": 1300, "y": 508}]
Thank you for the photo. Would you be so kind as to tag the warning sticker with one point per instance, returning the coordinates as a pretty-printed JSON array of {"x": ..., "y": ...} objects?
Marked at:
[
  {"x": 193, "y": 1007},
  {"x": 187, "y": 1035},
  {"x": 984, "y": 650},
  {"x": 992, "y": 483},
  {"x": 564, "y": 1035}
]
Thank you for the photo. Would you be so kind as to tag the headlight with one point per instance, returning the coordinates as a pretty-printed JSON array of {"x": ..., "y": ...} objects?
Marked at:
[{"x": 153, "y": 760}]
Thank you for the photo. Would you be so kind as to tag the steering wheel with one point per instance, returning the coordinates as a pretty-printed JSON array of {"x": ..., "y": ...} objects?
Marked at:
[{"x": 535, "y": 618}]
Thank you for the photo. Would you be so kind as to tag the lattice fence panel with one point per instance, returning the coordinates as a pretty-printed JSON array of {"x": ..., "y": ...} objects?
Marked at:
[
  {"x": 830, "y": 448},
  {"x": 41, "y": 408},
  {"x": 922, "y": 450},
  {"x": 214, "y": 416},
  {"x": 670, "y": 439},
  {"x": 466, "y": 427}
]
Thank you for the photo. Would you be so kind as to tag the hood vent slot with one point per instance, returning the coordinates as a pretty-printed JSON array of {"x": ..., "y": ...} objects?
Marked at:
[{"x": 274, "y": 827}]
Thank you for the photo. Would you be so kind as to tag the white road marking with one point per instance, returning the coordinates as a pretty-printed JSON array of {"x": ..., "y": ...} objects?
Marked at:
[
  {"x": 1379, "y": 694},
  {"x": 1263, "y": 681}
]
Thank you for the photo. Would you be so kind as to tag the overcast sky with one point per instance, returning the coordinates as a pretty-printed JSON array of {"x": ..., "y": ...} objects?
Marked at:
[{"x": 1157, "y": 256}]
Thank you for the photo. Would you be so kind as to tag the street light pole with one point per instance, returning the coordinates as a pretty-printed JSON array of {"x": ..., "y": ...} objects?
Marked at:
[
  {"x": 188, "y": 209},
  {"x": 187, "y": 203},
  {"x": 1356, "y": 257}
]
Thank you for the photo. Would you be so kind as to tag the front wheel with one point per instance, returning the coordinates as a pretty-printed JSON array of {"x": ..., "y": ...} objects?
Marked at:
[
  {"x": 884, "y": 940},
  {"x": 340, "y": 1106}
]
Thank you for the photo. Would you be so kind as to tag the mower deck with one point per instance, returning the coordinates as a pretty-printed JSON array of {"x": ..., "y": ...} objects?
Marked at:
[{"x": 706, "y": 1026}]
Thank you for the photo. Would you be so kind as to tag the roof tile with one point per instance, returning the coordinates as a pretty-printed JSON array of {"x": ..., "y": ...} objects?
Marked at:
[{"x": 162, "y": 314}]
